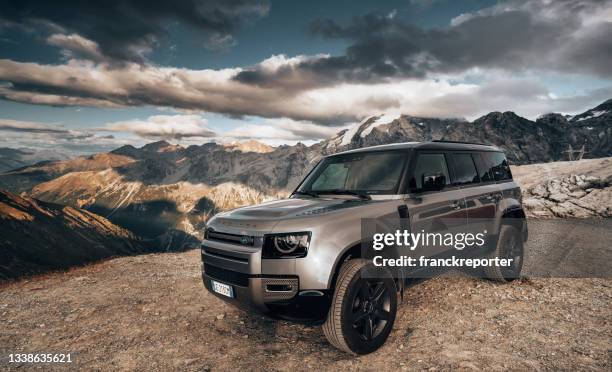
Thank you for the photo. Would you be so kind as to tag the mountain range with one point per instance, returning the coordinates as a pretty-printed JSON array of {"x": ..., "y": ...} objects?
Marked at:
[
  {"x": 36, "y": 236},
  {"x": 165, "y": 193}
]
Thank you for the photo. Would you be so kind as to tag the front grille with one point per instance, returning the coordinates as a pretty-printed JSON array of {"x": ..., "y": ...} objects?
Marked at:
[
  {"x": 227, "y": 276},
  {"x": 230, "y": 238},
  {"x": 218, "y": 253}
]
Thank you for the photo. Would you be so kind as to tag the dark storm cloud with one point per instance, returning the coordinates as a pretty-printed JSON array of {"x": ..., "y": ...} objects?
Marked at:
[
  {"x": 475, "y": 64},
  {"x": 128, "y": 29},
  {"x": 514, "y": 36},
  {"x": 28, "y": 127}
]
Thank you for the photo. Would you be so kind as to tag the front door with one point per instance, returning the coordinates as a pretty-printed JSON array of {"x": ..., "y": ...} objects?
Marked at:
[{"x": 434, "y": 212}]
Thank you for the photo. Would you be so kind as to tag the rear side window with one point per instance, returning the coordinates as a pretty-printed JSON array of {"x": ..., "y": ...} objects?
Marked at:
[
  {"x": 464, "y": 170},
  {"x": 484, "y": 167},
  {"x": 428, "y": 164},
  {"x": 496, "y": 166}
]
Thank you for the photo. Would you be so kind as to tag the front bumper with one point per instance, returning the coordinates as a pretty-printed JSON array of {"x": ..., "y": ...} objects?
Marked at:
[{"x": 252, "y": 290}]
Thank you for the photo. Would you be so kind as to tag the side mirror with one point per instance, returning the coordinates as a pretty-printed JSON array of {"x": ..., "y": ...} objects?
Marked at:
[{"x": 433, "y": 182}]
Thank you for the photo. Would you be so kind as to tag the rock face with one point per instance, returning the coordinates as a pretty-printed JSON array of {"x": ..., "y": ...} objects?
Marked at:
[
  {"x": 36, "y": 236},
  {"x": 593, "y": 128},
  {"x": 576, "y": 196}
]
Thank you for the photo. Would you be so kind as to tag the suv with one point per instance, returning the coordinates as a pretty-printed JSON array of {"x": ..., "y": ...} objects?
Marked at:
[{"x": 302, "y": 258}]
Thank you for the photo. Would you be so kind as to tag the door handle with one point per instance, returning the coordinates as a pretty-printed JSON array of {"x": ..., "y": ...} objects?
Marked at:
[{"x": 493, "y": 197}]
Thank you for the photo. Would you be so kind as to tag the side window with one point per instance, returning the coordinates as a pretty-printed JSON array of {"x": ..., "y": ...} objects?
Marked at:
[
  {"x": 428, "y": 164},
  {"x": 498, "y": 165},
  {"x": 333, "y": 177},
  {"x": 483, "y": 166},
  {"x": 464, "y": 170}
]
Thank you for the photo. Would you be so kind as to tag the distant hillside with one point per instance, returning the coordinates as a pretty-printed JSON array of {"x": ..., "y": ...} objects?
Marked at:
[
  {"x": 23, "y": 179},
  {"x": 17, "y": 158},
  {"x": 36, "y": 237}
]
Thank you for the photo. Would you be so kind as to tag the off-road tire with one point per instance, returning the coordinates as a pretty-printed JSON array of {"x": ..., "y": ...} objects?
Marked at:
[
  {"x": 338, "y": 327},
  {"x": 508, "y": 235}
]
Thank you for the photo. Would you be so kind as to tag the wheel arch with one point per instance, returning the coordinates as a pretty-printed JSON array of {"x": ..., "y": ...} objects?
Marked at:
[
  {"x": 352, "y": 251},
  {"x": 515, "y": 216}
]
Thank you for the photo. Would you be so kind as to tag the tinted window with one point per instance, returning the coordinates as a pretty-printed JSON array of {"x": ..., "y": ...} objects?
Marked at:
[
  {"x": 484, "y": 169},
  {"x": 464, "y": 170},
  {"x": 377, "y": 172},
  {"x": 497, "y": 165},
  {"x": 428, "y": 164}
]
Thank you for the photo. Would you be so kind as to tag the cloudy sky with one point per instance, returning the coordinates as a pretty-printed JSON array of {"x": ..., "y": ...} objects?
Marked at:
[{"x": 83, "y": 76}]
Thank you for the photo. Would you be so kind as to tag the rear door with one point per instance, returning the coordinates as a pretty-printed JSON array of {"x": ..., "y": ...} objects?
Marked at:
[
  {"x": 496, "y": 173},
  {"x": 479, "y": 190}
]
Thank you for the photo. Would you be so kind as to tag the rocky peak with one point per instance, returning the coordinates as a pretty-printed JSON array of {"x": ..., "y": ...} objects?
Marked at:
[
  {"x": 127, "y": 150},
  {"x": 249, "y": 146},
  {"x": 497, "y": 118},
  {"x": 553, "y": 120},
  {"x": 601, "y": 112},
  {"x": 161, "y": 146}
]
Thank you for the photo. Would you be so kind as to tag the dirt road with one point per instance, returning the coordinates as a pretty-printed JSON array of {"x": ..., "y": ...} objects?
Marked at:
[{"x": 152, "y": 313}]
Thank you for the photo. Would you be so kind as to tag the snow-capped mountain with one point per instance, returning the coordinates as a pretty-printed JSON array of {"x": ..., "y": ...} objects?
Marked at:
[{"x": 524, "y": 141}]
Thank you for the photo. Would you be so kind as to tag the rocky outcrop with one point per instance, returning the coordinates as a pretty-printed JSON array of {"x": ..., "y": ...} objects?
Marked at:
[
  {"x": 577, "y": 196},
  {"x": 36, "y": 237}
]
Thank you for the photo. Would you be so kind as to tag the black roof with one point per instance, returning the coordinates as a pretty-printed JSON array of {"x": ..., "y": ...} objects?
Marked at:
[{"x": 433, "y": 145}]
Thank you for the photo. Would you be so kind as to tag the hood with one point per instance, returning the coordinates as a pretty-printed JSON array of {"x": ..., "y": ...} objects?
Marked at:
[{"x": 294, "y": 207}]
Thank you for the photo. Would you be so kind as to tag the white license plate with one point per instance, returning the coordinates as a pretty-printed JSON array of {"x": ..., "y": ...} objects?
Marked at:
[{"x": 223, "y": 289}]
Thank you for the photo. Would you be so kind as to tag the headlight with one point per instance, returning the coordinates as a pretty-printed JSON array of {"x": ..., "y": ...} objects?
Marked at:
[{"x": 289, "y": 245}]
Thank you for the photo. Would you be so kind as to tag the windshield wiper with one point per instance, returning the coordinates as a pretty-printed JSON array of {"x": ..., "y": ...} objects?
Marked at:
[
  {"x": 346, "y": 192},
  {"x": 309, "y": 193}
]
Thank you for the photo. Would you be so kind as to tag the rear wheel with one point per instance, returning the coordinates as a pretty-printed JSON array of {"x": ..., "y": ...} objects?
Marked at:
[
  {"x": 509, "y": 246},
  {"x": 363, "y": 309}
]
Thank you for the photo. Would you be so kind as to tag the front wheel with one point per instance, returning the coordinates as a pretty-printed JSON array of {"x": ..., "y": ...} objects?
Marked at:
[{"x": 363, "y": 309}]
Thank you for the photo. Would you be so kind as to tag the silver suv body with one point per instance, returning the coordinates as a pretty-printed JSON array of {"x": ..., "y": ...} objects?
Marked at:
[{"x": 284, "y": 257}]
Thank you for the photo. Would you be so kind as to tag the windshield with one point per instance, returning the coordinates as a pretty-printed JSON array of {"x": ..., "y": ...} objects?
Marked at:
[{"x": 363, "y": 173}]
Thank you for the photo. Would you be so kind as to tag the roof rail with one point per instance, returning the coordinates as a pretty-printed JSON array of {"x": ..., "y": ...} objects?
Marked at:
[{"x": 463, "y": 142}]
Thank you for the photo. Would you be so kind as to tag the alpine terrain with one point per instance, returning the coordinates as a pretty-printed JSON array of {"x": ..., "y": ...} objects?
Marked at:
[{"x": 166, "y": 192}]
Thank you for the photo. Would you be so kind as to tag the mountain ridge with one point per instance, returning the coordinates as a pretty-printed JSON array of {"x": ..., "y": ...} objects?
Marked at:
[
  {"x": 38, "y": 236},
  {"x": 162, "y": 189}
]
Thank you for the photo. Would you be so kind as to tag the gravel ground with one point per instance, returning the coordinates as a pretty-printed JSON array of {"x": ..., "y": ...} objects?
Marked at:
[{"x": 151, "y": 313}]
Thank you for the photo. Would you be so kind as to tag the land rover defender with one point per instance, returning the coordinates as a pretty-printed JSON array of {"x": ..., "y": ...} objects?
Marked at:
[{"x": 303, "y": 257}]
